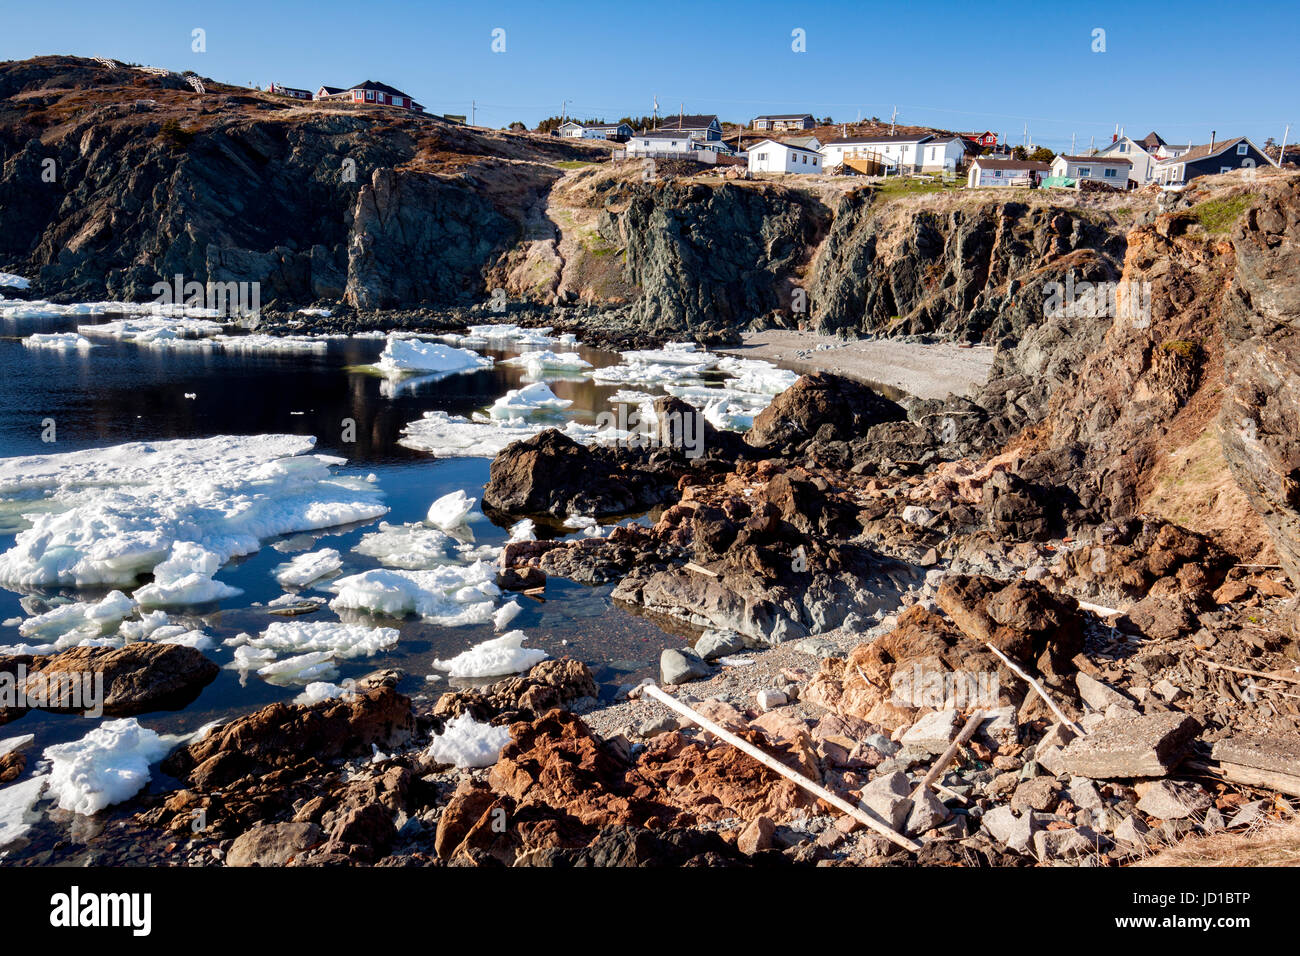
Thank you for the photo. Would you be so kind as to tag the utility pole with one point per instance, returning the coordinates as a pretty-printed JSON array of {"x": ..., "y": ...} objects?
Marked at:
[
  {"x": 564, "y": 111},
  {"x": 1025, "y": 142},
  {"x": 892, "y": 119},
  {"x": 1072, "y": 152},
  {"x": 473, "y": 112}
]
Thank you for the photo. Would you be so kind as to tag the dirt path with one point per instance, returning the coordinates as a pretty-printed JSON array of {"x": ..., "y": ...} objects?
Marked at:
[{"x": 926, "y": 371}]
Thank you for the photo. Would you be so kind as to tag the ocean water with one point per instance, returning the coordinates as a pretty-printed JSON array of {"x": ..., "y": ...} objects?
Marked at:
[{"x": 120, "y": 392}]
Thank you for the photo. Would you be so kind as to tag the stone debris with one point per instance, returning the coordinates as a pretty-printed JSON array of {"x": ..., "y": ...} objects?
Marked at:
[{"x": 1130, "y": 747}]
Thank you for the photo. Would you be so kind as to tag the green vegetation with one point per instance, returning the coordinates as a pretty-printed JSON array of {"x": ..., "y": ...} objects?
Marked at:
[
  {"x": 1220, "y": 215},
  {"x": 895, "y": 187},
  {"x": 573, "y": 163},
  {"x": 1184, "y": 347},
  {"x": 174, "y": 134}
]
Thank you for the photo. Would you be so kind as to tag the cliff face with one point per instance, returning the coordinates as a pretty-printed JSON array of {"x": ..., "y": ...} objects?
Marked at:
[{"x": 114, "y": 179}]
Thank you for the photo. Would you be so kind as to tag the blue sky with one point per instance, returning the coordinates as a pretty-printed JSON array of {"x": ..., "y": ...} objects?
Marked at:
[{"x": 1183, "y": 70}]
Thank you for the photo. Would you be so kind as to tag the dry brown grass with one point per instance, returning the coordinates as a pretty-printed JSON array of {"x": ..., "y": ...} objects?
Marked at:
[{"x": 1273, "y": 844}]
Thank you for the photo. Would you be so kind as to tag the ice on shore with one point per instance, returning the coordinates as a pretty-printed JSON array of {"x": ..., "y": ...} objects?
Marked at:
[
  {"x": 16, "y": 803},
  {"x": 339, "y": 640},
  {"x": 496, "y": 657},
  {"x": 467, "y": 743},
  {"x": 156, "y": 330},
  {"x": 146, "y": 626},
  {"x": 9, "y": 280},
  {"x": 185, "y": 577},
  {"x": 85, "y": 619},
  {"x": 451, "y": 595},
  {"x": 410, "y": 546},
  {"x": 184, "y": 637},
  {"x": 62, "y": 341},
  {"x": 124, "y": 508},
  {"x": 259, "y": 342},
  {"x": 529, "y": 400},
  {"x": 656, "y": 373},
  {"x": 108, "y": 765},
  {"x": 525, "y": 529},
  {"x": 451, "y": 510},
  {"x": 303, "y": 569},
  {"x": 502, "y": 335},
  {"x": 756, "y": 375},
  {"x": 453, "y": 436},
  {"x": 320, "y": 690}
]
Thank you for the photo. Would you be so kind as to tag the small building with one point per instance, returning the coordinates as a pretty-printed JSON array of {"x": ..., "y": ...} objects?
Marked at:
[
  {"x": 996, "y": 171},
  {"x": 669, "y": 143},
  {"x": 1111, "y": 170},
  {"x": 804, "y": 142},
  {"x": 770, "y": 156},
  {"x": 618, "y": 132},
  {"x": 703, "y": 126},
  {"x": 369, "y": 93},
  {"x": 907, "y": 153},
  {"x": 1222, "y": 156},
  {"x": 289, "y": 91},
  {"x": 1144, "y": 154},
  {"x": 783, "y": 122}
]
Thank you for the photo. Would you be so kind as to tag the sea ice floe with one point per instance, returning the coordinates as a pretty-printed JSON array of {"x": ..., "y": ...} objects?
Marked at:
[
  {"x": 525, "y": 529},
  {"x": 62, "y": 341},
  {"x": 301, "y": 669},
  {"x": 540, "y": 363},
  {"x": 73, "y": 622},
  {"x": 303, "y": 569},
  {"x": 10, "y": 281},
  {"x": 146, "y": 626},
  {"x": 756, "y": 375},
  {"x": 410, "y": 546},
  {"x": 503, "y": 335},
  {"x": 186, "y": 638},
  {"x": 409, "y": 356},
  {"x": 453, "y": 436},
  {"x": 123, "y": 508},
  {"x": 258, "y": 342},
  {"x": 653, "y": 373},
  {"x": 451, "y": 595},
  {"x": 108, "y": 765},
  {"x": 451, "y": 510},
  {"x": 467, "y": 743},
  {"x": 16, "y": 803},
  {"x": 588, "y": 525},
  {"x": 529, "y": 400},
  {"x": 494, "y": 658},
  {"x": 185, "y": 577},
  {"x": 505, "y": 614},
  {"x": 156, "y": 330},
  {"x": 339, "y": 640}
]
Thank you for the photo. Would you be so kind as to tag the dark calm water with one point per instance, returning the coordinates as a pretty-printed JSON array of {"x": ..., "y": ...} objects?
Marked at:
[{"x": 119, "y": 392}]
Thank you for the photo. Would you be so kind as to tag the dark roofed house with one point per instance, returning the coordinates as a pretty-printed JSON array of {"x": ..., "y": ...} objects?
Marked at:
[
  {"x": 778, "y": 122},
  {"x": 292, "y": 92},
  {"x": 698, "y": 126},
  {"x": 1219, "y": 156},
  {"x": 370, "y": 93}
]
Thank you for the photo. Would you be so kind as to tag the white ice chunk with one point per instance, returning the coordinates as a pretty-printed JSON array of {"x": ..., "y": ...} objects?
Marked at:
[
  {"x": 505, "y": 614},
  {"x": 303, "y": 569},
  {"x": 409, "y": 546},
  {"x": 62, "y": 341},
  {"x": 407, "y": 356},
  {"x": 467, "y": 743},
  {"x": 537, "y": 364},
  {"x": 302, "y": 669},
  {"x": 16, "y": 803},
  {"x": 185, "y": 578},
  {"x": 529, "y": 400},
  {"x": 108, "y": 765},
  {"x": 111, "y": 514},
  {"x": 340, "y": 640},
  {"x": 10, "y": 281},
  {"x": 320, "y": 690},
  {"x": 525, "y": 529},
  {"x": 80, "y": 620},
  {"x": 494, "y": 658},
  {"x": 449, "y": 595},
  {"x": 450, "y": 510}
]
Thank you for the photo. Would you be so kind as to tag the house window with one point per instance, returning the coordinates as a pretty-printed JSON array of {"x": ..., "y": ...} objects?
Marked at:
[
  {"x": 1110, "y": 173},
  {"x": 805, "y": 160},
  {"x": 1241, "y": 149},
  {"x": 1123, "y": 148},
  {"x": 1085, "y": 172},
  {"x": 997, "y": 174},
  {"x": 762, "y": 157},
  {"x": 1225, "y": 169}
]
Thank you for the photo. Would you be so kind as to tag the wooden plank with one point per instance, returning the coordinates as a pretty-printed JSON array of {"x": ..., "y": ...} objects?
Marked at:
[
  {"x": 940, "y": 765},
  {"x": 1038, "y": 689},
  {"x": 861, "y": 814},
  {"x": 1249, "y": 776},
  {"x": 692, "y": 566}
]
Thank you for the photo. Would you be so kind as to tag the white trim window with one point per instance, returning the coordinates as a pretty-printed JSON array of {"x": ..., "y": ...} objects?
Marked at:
[
  {"x": 1085, "y": 172},
  {"x": 1242, "y": 149},
  {"x": 1225, "y": 169},
  {"x": 1110, "y": 172}
]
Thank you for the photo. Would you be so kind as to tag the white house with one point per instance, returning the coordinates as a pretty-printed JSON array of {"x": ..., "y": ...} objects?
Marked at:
[
  {"x": 991, "y": 171},
  {"x": 575, "y": 130},
  {"x": 910, "y": 153},
  {"x": 666, "y": 142},
  {"x": 1111, "y": 170},
  {"x": 1143, "y": 153},
  {"x": 769, "y": 156}
]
